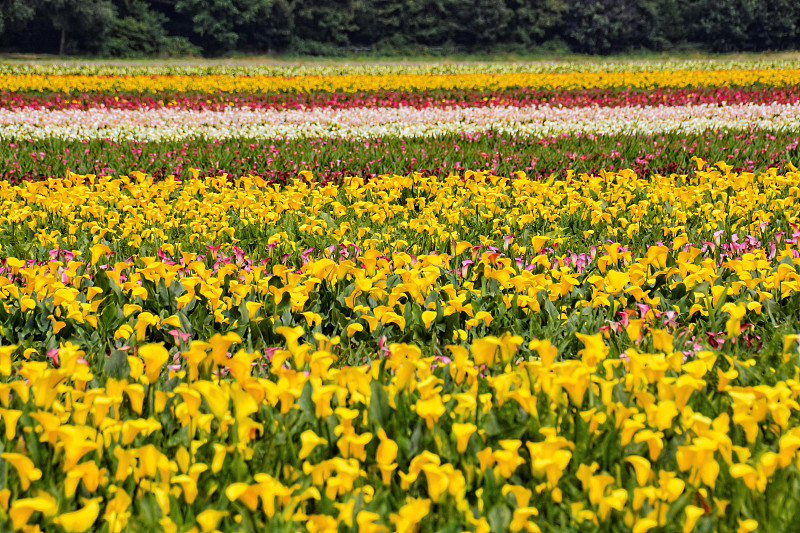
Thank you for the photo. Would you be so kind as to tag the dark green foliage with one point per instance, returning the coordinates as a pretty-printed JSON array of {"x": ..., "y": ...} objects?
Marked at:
[
  {"x": 381, "y": 22},
  {"x": 752, "y": 25},
  {"x": 132, "y": 28},
  {"x": 218, "y": 23},
  {"x": 324, "y": 21},
  {"x": 139, "y": 31},
  {"x": 82, "y": 24},
  {"x": 606, "y": 26},
  {"x": 273, "y": 31},
  {"x": 671, "y": 29},
  {"x": 481, "y": 23},
  {"x": 535, "y": 21},
  {"x": 721, "y": 24},
  {"x": 429, "y": 22},
  {"x": 15, "y": 13}
]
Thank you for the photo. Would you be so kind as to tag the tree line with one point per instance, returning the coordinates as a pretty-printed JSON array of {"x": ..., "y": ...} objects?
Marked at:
[{"x": 141, "y": 28}]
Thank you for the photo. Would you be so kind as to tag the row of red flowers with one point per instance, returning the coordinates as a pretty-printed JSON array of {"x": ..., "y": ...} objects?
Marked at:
[{"x": 422, "y": 99}]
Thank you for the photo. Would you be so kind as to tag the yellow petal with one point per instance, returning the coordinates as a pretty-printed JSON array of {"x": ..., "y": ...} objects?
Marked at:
[
  {"x": 209, "y": 519},
  {"x": 215, "y": 397},
  {"x": 154, "y": 356},
  {"x": 99, "y": 250},
  {"x": 80, "y": 520}
]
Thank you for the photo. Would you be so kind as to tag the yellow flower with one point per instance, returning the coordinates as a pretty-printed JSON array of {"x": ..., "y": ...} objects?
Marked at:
[
  {"x": 547, "y": 352},
  {"x": 15, "y": 264},
  {"x": 657, "y": 256},
  {"x": 218, "y": 458},
  {"x": 144, "y": 320},
  {"x": 662, "y": 341},
  {"x": 292, "y": 335},
  {"x": 736, "y": 312},
  {"x": 309, "y": 441},
  {"x": 76, "y": 444},
  {"x": 615, "y": 500},
  {"x": 437, "y": 480},
  {"x": 86, "y": 472},
  {"x": 209, "y": 519},
  {"x": 220, "y": 345},
  {"x": 247, "y": 494},
  {"x": 354, "y": 328},
  {"x": 594, "y": 349},
  {"x": 22, "y": 509},
  {"x": 654, "y": 440},
  {"x": 747, "y": 473},
  {"x": 428, "y": 317},
  {"x": 410, "y": 514},
  {"x": 80, "y": 520},
  {"x": 641, "y": 467},
  {"x": 25, "y": 468},
  {"x": 216, "y": 398},
  {"x": 385, "y": 456},
  {"x": 99, "y": 250},
  {"x": 693, "y": 513},
  {"x": 188, "y": 482},
  {"x": 522, "y": 520},
  {"x": 484, "y": 351},
  {"x": 10, "y": 417},
  {"x": 241, "y": 365},
  {"x": 522, "y": 495},
  {"x": 746, "y": 526},
  {"x": 644, "y": 525},
  {"x": 462, "y": 433},
  {"x": 5, "y": 359},
  {"x": 431, "y": 410},
  {"x": 154, "y": 356}
]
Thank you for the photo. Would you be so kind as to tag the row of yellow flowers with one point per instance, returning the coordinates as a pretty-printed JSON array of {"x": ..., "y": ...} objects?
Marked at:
[
  {"x": 407, "y": 353},
  {"x": 394, "y": 213},
  {"x": 493, "y": 440},
  {"x": 529, "y": 249},
  {"x": 397, "y": 82}
]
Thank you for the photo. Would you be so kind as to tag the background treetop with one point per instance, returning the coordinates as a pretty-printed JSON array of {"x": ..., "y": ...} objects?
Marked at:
[{"x": 152, "y": 28}]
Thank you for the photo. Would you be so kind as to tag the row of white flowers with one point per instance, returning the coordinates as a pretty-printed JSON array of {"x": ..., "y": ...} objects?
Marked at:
[
  {"x": 166, "y": 123},
  {"x": 166, "y": 117},
  {"x": 201, "y": 68}
]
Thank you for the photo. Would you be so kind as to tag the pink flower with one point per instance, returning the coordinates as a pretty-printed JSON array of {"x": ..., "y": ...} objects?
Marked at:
[
  {"x": 177, "y": 334},
  {"x": 213, "y": 250},
  {"x": 384, "y": 351},
  {"x": 269, "y": 352},
  {"x": 53, "y": 354}
]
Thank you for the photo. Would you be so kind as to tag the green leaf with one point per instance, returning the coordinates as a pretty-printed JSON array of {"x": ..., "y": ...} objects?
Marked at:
[
  {"x": 378, "y": 403},
  {"x": 499, "y": 517},
  {"x": 117, "y": 366}
]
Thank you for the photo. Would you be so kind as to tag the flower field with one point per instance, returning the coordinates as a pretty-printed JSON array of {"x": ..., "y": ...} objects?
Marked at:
[{"x": 481, "y": 297}]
